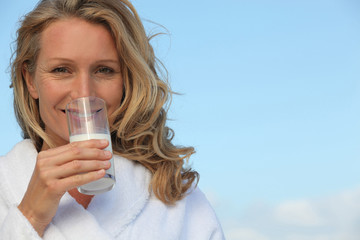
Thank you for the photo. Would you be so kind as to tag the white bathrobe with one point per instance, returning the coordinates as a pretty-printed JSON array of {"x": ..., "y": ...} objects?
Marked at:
[{"x": 128, "y": 211}]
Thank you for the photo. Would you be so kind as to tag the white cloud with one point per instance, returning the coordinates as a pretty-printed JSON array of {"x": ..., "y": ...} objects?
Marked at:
[
  {"x": 335, "y": 217},
  {"x": 298, "y": 213},
  {"x": 245, "y": 233}
]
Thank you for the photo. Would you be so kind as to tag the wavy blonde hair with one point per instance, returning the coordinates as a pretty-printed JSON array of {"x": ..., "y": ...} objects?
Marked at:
[{"x": 138, "y": 127}]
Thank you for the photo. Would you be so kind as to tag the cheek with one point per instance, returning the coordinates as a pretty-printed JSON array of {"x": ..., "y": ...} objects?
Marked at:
[
  {"x": 113, "y": 105},
  {"x": 45, "y": 111},
  {"x": 49, "y": 98},
  {"x": 113, "y": 98},
  {"x": 43, "y": 106}
]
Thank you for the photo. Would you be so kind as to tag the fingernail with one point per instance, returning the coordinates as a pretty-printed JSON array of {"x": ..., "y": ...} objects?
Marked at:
[
  {"x": 103, "y": 141},
  {"x": 107, "y": 153}
]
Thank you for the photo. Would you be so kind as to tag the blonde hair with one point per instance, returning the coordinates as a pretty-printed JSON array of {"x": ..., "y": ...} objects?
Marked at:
[{"x": 138, "y": 127}]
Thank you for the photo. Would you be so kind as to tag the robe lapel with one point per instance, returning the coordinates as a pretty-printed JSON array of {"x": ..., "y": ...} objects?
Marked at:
[
  {"x": 75, "y": 222},
  {"x": 116, "y": 209}
]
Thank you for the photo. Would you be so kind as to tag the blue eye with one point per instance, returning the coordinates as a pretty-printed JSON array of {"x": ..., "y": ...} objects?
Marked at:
[
  {"x": 105, "y": 70},
  {"x": 60, "y": 70}
]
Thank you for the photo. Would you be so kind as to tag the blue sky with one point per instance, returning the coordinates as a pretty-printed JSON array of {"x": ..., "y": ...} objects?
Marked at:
[{"x": 270, "y": 100}]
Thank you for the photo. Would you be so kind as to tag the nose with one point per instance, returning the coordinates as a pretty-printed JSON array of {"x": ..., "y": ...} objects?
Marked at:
[{"x": 82, "y": 86}]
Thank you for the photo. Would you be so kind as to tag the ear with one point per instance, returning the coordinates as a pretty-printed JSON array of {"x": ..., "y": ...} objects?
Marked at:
[{"x": 30, "y": 82}]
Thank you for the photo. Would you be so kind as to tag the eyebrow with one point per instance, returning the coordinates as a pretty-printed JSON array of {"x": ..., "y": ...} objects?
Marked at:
[
  {"x": 108, "y": 61},
  {"x": 96, "y": 62},
  {"x": 61, "y": 59}
]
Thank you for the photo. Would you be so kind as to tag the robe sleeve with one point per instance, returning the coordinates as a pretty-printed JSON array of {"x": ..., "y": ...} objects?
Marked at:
[{"x": 14, "y": 225}]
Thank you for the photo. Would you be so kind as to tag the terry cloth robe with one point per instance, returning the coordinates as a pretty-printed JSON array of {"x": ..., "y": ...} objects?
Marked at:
[{"x": 128, "y": 211}]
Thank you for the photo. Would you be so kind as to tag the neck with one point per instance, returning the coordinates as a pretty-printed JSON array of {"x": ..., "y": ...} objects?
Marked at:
[{"x": 82, "y": 199}]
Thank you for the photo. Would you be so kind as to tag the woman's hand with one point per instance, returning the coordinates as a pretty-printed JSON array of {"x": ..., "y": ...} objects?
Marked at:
[{"x": 58, "y": 170}]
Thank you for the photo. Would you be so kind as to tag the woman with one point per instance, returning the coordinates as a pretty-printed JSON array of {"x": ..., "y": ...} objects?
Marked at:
[{"x": 68, "y": 49}]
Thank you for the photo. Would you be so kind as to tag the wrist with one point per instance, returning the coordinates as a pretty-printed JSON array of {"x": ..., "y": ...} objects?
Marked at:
[{"x": 38, "y": 225}]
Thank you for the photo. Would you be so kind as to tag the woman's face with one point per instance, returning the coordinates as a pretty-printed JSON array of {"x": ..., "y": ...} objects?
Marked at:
[{"x": 76, "y": 59}]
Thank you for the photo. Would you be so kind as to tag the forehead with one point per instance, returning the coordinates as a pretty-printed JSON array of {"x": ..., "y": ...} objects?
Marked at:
[
  {"x": 73, "y": 25},
  {"x": 76, "y": 36}
]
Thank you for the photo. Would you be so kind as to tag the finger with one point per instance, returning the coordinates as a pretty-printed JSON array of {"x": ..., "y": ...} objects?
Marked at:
[
  {"x": 75, "y": 153},
  {"x": 80, "y": 179},
  {"x": 91, "y": 143},
  {"x": 78, "y": 167}
]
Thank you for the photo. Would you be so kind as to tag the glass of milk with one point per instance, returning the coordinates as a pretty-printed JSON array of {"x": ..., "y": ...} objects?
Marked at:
[{"x": 87, "y": 119}]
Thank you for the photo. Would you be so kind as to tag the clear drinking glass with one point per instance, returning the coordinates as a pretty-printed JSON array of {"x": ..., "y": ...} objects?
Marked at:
[{"x": 87, "y": 119}]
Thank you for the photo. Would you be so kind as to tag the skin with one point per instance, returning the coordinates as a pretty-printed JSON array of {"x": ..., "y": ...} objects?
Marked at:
[{"x": 76, "y": 59}]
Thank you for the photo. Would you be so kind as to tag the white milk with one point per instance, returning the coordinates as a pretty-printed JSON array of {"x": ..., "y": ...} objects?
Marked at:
[{"x": 107, "y": 182}]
